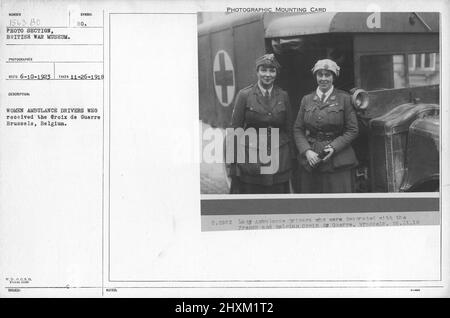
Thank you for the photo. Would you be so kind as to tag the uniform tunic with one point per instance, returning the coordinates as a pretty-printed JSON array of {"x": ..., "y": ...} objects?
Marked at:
[
  {"x": 319, "y": 124},
  {"x": 253, "y": 110}
]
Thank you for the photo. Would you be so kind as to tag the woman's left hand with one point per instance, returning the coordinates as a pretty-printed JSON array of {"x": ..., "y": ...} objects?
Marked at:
[{"x": 330, "y": 151}]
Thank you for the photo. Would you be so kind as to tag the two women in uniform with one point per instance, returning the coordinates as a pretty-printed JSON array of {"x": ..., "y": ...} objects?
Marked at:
[{"x": 326, "y": 125}]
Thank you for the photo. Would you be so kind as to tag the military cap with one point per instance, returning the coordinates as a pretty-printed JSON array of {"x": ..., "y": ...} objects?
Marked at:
[
  {"x": 326, "y": 64},
  {"x": 267, "y": 60}
]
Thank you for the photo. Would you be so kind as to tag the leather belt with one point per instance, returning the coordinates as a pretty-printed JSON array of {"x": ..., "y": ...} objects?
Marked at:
[{"x": 322, "y": 136}]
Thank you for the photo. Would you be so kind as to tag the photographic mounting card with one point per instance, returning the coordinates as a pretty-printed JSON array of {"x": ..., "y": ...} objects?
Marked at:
[{"x": 107, "y": 190}]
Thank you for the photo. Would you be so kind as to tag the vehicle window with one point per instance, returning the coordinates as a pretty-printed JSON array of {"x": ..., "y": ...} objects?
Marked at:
[
  {"x": 389, "y": 71},
  {"x": 383, "y": 71},
  {"x": 423, "y": 69}
]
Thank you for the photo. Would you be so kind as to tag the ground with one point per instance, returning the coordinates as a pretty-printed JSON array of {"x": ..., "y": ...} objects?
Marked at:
[{"x": 212, "y": 175}]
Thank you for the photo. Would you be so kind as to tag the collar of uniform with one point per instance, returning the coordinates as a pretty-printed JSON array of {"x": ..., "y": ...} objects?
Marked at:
[
  {"x": 327, "y": 93},
  {"x": 262, "y": 90}
]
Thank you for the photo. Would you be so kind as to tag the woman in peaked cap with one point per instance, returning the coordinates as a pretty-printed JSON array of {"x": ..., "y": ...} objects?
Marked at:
[
  {"x": 263, "y": 108},
  {"x": 324, "y": 129}
]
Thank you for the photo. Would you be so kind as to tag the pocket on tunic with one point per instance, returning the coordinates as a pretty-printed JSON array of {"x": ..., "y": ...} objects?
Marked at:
[
  {"x": 249, "y": 169},
  {"x": 335, "y": 115},
  {"x": 250, "y": 148},
  {"x": 256, "y": 108},
  {"x": 308, "y": 113},
  {"x": 254, "y": 148},
  {"x": 279, "y": 107},
  {"x": 346, "y": 158}
]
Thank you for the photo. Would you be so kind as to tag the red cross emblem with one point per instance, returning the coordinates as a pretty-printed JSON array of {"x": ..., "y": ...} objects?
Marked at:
[{"x": 224, "y": 78}]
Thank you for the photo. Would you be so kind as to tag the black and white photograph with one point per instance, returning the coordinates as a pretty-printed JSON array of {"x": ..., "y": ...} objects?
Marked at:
[{"x": 319, "y": 102}]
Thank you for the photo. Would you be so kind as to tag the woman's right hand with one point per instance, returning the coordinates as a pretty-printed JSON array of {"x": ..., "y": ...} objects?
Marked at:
[{"x": 312, "y": 157}]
